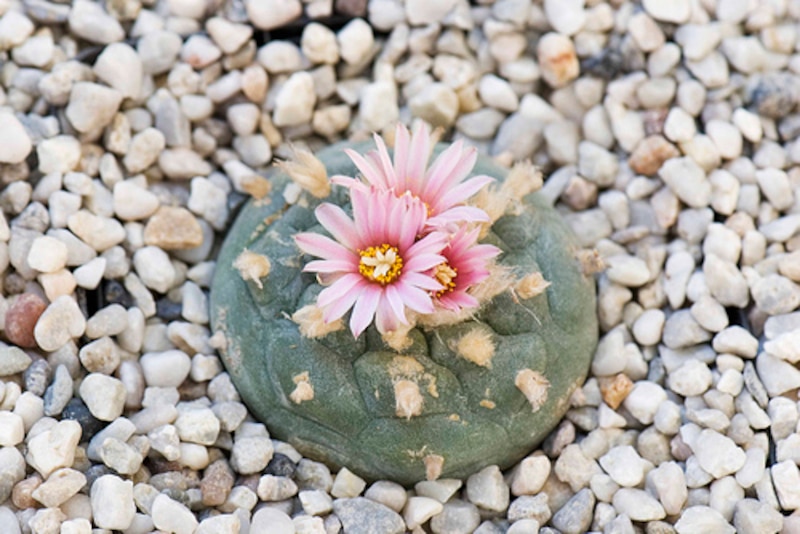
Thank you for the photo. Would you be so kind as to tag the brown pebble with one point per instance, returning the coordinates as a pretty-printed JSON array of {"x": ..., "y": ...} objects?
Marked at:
[
  {"x": 216, "y": 483},
  {"x": 21, "y": 494},
  {"x": 249, "y": 481},
  {"x": 172, "y": 228},
  {"x": 615, "y": 389},
  {"x": 580, "y": 193},
  {"x": 650, "y": 154},
  {"x": 21, "y": 319}
]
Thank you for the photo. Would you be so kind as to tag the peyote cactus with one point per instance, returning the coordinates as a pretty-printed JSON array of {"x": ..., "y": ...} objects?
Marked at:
[{"x": 463, "y": 389}]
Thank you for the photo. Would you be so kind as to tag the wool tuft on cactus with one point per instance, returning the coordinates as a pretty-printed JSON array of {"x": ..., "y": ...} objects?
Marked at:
[{"x": 406, "y": 320}]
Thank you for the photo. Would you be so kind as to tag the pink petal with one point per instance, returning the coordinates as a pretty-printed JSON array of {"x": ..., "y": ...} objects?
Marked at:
[
  {"x": 423, "y": 262},
  {"x": 340, "y": 289},
  {"x": 414, "y": 219},
  {"x": 364, "y": 309},
  {"x": 320, "y": 246},
  {"x": 339, "y": 307},
  {"x": 385, "y": 319},
  {"x": 458, "y": 214},
  {"x": 331, "y": 266},
  {"x": 442, "y": 168},
  {"x": 335, "y": 220},
  {"x": 418, "y": 158},
  {"x": 422, "y": 281},
  {"x": 371, "y": 174},
  {"x": 348, "y": 182},
  {"x": 401, "y": 142},
  {"x": 456, "y": 300},
  {"x": 385, "y": 161},
  {"x": 461, "y": 193},
  {"x": 415, "y": 298},
  {"x": 464, "y": 164},
  {"x": 432, "y": 243},
  {"x": 393, "y": 302}
]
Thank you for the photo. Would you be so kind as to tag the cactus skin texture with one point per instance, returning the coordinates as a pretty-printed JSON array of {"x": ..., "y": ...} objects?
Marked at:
[{"x": 351, "y": 419}]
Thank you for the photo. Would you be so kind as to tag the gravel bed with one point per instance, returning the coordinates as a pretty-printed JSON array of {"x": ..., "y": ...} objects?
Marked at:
[{"x": 130, "y": 130}]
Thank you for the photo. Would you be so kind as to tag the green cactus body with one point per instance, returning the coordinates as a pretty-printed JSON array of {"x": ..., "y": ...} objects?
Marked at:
[{"x": 471, "y": 415}]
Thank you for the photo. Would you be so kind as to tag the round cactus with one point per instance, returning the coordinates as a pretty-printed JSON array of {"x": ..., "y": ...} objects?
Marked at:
[{"x": 456, "y": 397}]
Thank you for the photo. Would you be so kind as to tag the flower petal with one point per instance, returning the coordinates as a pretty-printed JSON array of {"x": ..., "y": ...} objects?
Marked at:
[
  {"x": 339, "y": 307},
  {"x": 392, "y": 299},
  {"x": 331, "y": 266},
  {"x": 342, "y": 288},
  {"x": 364, "y": 309},
  {"x": 418, "y": 158},
  {"x": 462, "y": 192},
  {"x": 415, "y": 298},
  {"x": 442, "y": 168},
  {"x": 423, "y": 262},
  {"x": 335, "y": 220},
  {"x": 385, "y": 319},
  {"x": 422, "y": 281},
  {"x": 371, "y": 174},
  {"x": 456, "y": 215},
  {"x": 320, "y": 246},
  {"x": 401, "y": 148}
]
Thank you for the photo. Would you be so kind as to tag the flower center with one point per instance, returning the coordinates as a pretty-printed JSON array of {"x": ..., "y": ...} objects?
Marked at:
[
  {"x": 446, "y": 276},
  {"x": 381, "y": 264}
]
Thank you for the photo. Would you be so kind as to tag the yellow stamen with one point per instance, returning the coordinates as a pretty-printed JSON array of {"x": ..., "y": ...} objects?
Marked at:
[
  {"x": 445, "y": 275},
  {"x": 381, "y": 264}
]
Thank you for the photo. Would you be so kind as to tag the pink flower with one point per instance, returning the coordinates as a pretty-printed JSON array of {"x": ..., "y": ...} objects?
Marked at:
[
  {"x": 441, "y": 187},
  {"x": 375, "y": 264},
  {"x": 464, "y": 266}
]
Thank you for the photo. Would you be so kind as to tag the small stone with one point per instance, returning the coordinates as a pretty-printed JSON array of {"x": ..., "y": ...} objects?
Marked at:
[
  {"x": 624, "y": 465},
  {"x": 15, "y": 28},
  {"x": 100, "y": 233},
  {"x": 199, "y": 51},
  {"x": 775, "y": 294},
  {"x": 675, "y": 12},
  {"x": 172, "y": 516},
  {"x": 567, "y": 18},
  {"x": 488, "y": 490},
  {"x": 165, "y": 369},
  {"x": 576, "y": 515},
  {"x": 158, "y": 50},
  {"x": 197, "y": 425},
  {"x": 575, "y": 468},
  {"x": 419, "y": 510},
  {"x": 228, "y": 35},
  {"x": 251, "y": 454},
  {"x": 294, "y": 104},
  {"x": 270, "y": 14},
  {"x": 15, "y": 144},
  {"x": 121, "y": 68},
  {"x": 61, "y": 321},
  {"x": 183, "y": 163},
  {"x": 12, "y": 429},
  {"x": 12, "y": 471},
  {"x": 441, "y": 489},
  {"x": 691, "y": 379},
  {"x": 638, "y": 505},
  {"x": 355, "y": 41},
  {"x": 436, "y": 104},
  {"x": 497, "y": 93},
  {"x": 132, "y": 202},
  {"x": 319, "y": 45},
  {"x": 59, "y": 487},
  {"x": 21, "y": 319},
  {"x": 90, "y": 21},
  {"x": 681, "y": 330},
  {"x": 273, "y": 488},
  {"x": 557, "y": 59},
  {"x": 154, "y": 268},
  {"x": 387, "y": 493},
  {"x": 104, "y": 396},
  {"x": 173, "y": 228},
  {"x": 217, "y": 483},
  {"x": 754, "y": 517},
  {"x": 702, "y": 519},
  {"x": 378, "y": 105},
  {"x": 347, "y": 484},
  {"x": 650, "y": 154},
  {"x": 363, "y": 516},
  {"x": 778, "y": 376},
  {"x": 669, "y": 482},
  {"x": 717, "y": 454},
  {"x": 144, "y": 150},
  {"x": 456, "y": 516},
  {"x": 92, "y": 106},
  {"x": 54, "y": 448},
  {"x": 644, "y": 400}
]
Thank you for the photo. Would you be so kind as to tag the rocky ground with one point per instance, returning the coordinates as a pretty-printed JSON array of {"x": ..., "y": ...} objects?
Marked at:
[{"x": 131, "y": 129}]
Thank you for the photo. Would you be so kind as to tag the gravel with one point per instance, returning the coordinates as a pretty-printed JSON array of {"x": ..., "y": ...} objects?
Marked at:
[{"x": 130, "y": 131}]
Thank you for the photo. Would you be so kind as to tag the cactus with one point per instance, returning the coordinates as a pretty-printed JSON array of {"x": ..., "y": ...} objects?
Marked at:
[{"x": 456, "y": 398}]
